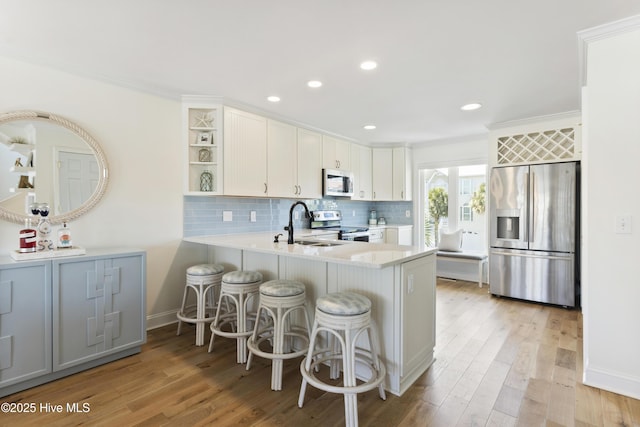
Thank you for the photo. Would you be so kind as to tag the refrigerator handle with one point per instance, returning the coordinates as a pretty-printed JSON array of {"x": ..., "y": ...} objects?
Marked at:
[
  {"x": 532, "y": 207},
  {"x": 527, "y": 208}
]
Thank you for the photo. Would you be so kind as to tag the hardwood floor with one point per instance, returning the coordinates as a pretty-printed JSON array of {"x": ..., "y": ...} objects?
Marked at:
[{"x": 498, "y": 362}]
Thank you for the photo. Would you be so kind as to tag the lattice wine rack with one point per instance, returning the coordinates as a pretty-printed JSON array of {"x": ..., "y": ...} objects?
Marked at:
[{"x": 550, "y": 145}]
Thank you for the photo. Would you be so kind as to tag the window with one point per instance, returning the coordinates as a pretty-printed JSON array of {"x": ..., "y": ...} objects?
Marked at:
[
  {"x": 455, "y": 198},
  {"x": 466, "y": 213}
]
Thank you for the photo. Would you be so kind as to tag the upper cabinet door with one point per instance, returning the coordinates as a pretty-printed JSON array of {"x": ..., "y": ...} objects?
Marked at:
[
  {"x": 336, "y": 153},
  {"x": 281, "y": 159},
  {"x": 382, "y": 174},
  {"x": 309, "y": 164},
  {"x": 401, "y": 174},
  {"x": 361, "y": 168},
  {"x": 245, "y": 151}
]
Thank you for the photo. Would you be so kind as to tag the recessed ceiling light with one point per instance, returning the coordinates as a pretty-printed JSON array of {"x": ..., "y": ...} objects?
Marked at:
[
  {"x": 471, "y": 107},
  {"x": 369, "y": 127},
  {"x": 314, "y": 83},
  {"x": 369, "y": 65},
  {"x": 273, "y": 98}
]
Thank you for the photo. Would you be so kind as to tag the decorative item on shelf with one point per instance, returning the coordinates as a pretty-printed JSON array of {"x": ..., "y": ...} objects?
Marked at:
[
  {"x": 18, "y": 162},
  {"x": 204, "y": 155},
  {"x": 64, "y": 237},
  {"x": 204, "y": 120},
  {"x": 206, "y": 181},
  {"x": 44, "y": 226},
  {"x": 28, "y": 237},
  {"x": 30, "y": 160},
  {"x": 24, "y": 182},
  {"x": 204, "y": 138}
]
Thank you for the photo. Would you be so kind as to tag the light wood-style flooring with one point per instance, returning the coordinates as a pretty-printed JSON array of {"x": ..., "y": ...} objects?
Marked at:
[{"x": 499, "y": 362}]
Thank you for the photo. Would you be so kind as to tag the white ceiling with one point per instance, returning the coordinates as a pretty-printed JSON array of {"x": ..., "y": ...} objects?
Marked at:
[{"x": 519, "y": 58}]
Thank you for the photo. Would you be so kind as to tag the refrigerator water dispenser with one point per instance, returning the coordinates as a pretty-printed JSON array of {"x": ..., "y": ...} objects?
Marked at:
[{"x": 508, "y": 227}]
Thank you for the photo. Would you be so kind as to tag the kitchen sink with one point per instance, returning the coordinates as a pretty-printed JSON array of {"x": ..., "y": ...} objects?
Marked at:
[{"x": 317, "y": 243}]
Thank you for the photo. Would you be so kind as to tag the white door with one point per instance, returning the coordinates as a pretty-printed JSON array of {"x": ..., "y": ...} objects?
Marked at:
[{"x": 78, "y": 176}]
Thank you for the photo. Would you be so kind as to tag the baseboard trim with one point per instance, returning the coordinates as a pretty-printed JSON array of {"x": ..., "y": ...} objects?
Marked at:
[
  {"x": 161, "y": 319},
  {"x": 612, "y": 381}
]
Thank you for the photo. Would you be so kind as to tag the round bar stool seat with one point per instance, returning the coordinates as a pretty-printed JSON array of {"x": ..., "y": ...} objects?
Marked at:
[
  {"x": 204, "y": 280},
  {"x": 345, "y": 316},
  {"x": 237, "y": 291},
  {"x": 279, "y": 300}
]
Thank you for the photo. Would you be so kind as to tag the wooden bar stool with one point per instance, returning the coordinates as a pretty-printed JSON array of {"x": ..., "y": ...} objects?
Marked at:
[
  {"x": 279, "y": 300},
  {"x": 238, "y": 290},
  {"x": 204, "y": 280},
  {"x": 345, "y": 316}
]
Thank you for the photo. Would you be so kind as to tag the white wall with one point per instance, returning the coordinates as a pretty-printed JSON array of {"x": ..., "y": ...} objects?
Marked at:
[
  {"x": 141, "y": 136},
  {"x": 611, "y": 271}
]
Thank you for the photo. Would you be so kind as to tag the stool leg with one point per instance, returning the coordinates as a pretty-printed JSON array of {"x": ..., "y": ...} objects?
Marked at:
[
  {"x": 184, "y": 302},
  {"x": 216, "y": 319},
  {"x": 334, "y": 365},
  {"x": 242, "y": 327},
  {"x": 200, "y": 304},
  {"x": 348, "y": 365},
  {"x": 254, "y": 336},
  {"x": 306, "y": 362},
  {"x": 278, "y": 348},
  {"x": 374, "y": 343}
]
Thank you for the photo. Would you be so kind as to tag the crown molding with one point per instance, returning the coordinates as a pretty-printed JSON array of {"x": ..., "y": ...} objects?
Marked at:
[
  {"x": 599, "y": 33},
  {"x": 568, "y": 116}
]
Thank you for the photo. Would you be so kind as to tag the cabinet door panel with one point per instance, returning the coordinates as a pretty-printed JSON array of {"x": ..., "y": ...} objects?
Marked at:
[
  {"x": 309, "y": 164},
  {"x": 401, "y": 174},
  {"x": 245, "y": 151},
  {"x": 418, "y": 319},
  {"x": 99, "y": 308},
  {"x": 281, "y": 159},
  {"x": 382, "y": 174},
  {"x": 25, "y": 323}
]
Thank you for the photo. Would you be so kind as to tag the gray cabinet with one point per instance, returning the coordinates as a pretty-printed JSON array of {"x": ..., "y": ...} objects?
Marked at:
[
  {"x": 62, "y": 316},
  {"x": 25, "y": 322},
  {"x": 98, "y": 307}
]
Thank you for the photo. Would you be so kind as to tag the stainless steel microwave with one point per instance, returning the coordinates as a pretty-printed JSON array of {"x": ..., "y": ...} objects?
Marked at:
[{"x": 337, "y": 183}]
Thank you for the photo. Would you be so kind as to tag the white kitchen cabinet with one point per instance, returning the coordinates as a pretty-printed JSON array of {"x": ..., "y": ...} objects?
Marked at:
[
  {"x": 245, "y": 153},
  {"x": 281, "y": 159},
  {"x": 336, "y": 153},
  {"x": 402, "y": 173},
  {"x": 62, "y": 316},
  {"x": 399, "y": 235},
  {"x": 309, "y": 171},
  {"x": 418, "y": 319},
  {"x": 361, "y": 168},
  {"x": 202, "y": 144},
  {"x": 382, "y": 174},
  {"x": 377, "y": 234}
]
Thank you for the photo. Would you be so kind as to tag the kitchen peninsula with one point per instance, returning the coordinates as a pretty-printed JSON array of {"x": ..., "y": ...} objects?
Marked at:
[{"x": 399, "y": 281}]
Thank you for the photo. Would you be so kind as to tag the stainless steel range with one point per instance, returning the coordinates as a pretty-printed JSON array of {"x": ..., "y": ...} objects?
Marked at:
[{"x": 332, "y": 221}]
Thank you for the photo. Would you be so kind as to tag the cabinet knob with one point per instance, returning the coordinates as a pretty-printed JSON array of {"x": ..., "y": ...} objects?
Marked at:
[{"x": 265, "y": 188}]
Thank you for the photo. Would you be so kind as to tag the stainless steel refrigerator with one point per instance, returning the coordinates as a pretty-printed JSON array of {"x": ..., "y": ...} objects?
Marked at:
[{"x": 534, "y": 214}]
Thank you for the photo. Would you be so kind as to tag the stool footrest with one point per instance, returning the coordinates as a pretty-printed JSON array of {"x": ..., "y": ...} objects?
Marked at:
[
  {"x": 254, "y": 345},
  {"x": 363, "y": 357}
]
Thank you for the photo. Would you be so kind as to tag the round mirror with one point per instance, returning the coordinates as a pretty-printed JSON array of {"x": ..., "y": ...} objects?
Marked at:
[{"x": 45, "y": 158}]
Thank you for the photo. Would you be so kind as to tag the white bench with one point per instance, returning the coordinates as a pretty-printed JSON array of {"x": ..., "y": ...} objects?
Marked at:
[{"x": 474, "y": 257}]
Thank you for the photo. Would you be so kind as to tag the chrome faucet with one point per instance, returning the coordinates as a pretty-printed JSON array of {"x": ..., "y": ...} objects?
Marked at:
[{"x": 289, "y": 228}]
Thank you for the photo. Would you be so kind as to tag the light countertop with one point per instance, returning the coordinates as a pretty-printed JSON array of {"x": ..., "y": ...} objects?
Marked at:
[{"x": 362, "y": 254}]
